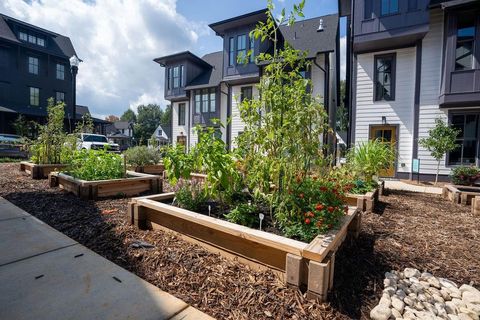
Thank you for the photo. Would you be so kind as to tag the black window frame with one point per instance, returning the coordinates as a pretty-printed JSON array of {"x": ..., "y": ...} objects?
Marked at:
[
  {"x": 60, "y": 70},
  {"x": 243, "y": 91},
  {"x": 35, "y": 67},
  {"x": 389, "y": 11},
  {"x": 231, "y": 51},
  {"x": 393, "y": 72},
  {"x": 461, "y": 139},
  {"x": 181, "y": 114},
  {"x": 169, "y": 78},
  {"x": 56, "y": 96},
  {"x": 35, "y": 97},
  {"x": 199, "y": 100},
  {"x": 242, "y": 49},
  {"x": 176, "y": 77},
  {"x": 473, "y": 40}
]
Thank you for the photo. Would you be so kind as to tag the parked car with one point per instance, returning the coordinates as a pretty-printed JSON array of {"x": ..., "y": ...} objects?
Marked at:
[
  {"x": 92, "y": 141},
  {"x": 12, "y": 146}
]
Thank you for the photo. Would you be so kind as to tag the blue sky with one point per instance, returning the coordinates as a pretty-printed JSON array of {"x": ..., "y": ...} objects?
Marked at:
[{"x": 118, "y": 40}]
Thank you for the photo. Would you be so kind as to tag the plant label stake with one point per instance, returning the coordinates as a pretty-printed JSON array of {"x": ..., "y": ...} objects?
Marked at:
[
  {"x": 261, "y": 216},
  {"x": 209, "y": 210}
]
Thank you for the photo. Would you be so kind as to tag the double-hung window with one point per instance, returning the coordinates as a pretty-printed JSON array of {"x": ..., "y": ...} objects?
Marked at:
[
  {"x": 384, "y": 77},
  {"x": 60, "y": 96},
  {"x": 245, "y": 93},
  {"x": 241, "y": 46},
  {"x": 465, "y": 43},
  {"x": 169, "y": 78},
  {"x": 60, "y": 71},
  {"x": 231, "y": 51},
  {"x": 389, "y": 7},
  {"x": 252, "y": 48},
  {"x": 205, "y": 101},
  {"x": 181, "y": 114},
  {"x": 32, "y": 65},
  {"x": 34, "y": 96},
  {"x": 467, "y": 139},
  {"x": 176, "y": 77}
]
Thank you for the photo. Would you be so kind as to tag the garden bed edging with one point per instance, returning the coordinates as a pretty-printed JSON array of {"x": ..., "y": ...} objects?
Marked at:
[
  {"x": 40, "y": 171},
  {"x": 460, "y": 194},
  {"x": 304, "y": 264},
  {"x": 135, "y": 184},
  {"x": 366, "y": 202},
  {"x": 156, "y": 169}
]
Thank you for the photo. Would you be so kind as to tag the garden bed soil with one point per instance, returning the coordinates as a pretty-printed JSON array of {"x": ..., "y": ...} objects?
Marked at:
[
  {"x": 366, "y": 202},
  {"x": 135, "y": 184},
  {"x": 156, "y": 169},
  {"x": 39, "y": 171},
  {"x": 460, "y": 194},
  {"x": 405, "y": 230}
]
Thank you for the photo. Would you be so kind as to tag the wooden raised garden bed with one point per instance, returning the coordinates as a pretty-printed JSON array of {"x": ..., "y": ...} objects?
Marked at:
[
  {"x": 366, "y": 202},
  {"x": 156, "y": 169},
  {"x": 460, "y": 194},
  {"x": 39, "y": 171},
  {"x": 304, "y": 264},
  {"x": 135, "y": 184}
]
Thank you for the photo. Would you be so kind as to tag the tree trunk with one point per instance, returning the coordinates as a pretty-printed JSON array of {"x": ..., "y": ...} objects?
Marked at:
[{"x": 438, "y": 169}]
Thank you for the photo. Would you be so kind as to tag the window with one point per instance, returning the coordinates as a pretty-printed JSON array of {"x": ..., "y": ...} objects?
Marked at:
[
  {"x": 181, "y": 114},
  {"x": 231, "y": 51},
  {"x": 241, "y": 46},
  {"x": 169, "y": 78},
  {"x": 60, "y": 96},
  {"x": 198, "y": 103},
  {"x": 252, "y": 49},
  {"x": 213, "y": 101},
  {"x": 32, "y": 65},
  {"x": 245, "y": 93},
  {"x": 34, "y": 96},
  {"x": 60, "y": 68},
  {"x": 384, "y": 77},
  {"x": 23, "y": 36},
  {"x": 29, "y": 37},
  {"x": 465, "y": 43},
  {"x": 182, "y": 82},
  {"x": 367, "y": 9},
  {"x": 205, "y": 101},
  {"x": 176, "y": 77},
  {"x": 466, "y": 153},
  {"x": 389, "y": 7},
  {"x": 41, "y": 41},
  {"x": 32, "y": 39}
]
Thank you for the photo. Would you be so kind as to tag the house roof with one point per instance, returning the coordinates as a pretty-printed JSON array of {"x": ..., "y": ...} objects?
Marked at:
[
  {"x": 57, "y": 44},
  {"x": 122, "y": 125},
  {"x": 303, "y": 35},
  {"x": 180, "y": 56},
  {"x": 252, "y": 17},
  {"x": 211, "y": 77}
]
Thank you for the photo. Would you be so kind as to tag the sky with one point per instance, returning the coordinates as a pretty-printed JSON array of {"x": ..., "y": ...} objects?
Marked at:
[{"x": 118, "y": 40}]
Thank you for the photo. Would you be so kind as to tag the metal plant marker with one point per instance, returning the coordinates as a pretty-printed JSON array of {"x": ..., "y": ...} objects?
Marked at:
[{"x": 261, "y": 216}]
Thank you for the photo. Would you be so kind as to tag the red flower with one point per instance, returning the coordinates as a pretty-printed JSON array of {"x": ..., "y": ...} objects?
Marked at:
[
  {"x": 319, "y": 223},
  {"x": 331, "y": 209},
  {"x": 319, "y": 207},
  {"x": 310, "y": 214},
  {"x": 307, "y": 221},
  {"x": 322, "y": 188},
  {"x": 301, "y": 195}
]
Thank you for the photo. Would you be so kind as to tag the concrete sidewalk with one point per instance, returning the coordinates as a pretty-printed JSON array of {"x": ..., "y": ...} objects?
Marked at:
[
  {"x": 400, "y": 185},
  {"x": 46, "y": 275}
]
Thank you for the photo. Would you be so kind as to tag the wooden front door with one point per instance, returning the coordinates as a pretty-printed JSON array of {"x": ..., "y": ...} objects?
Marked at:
[{"x": 387, "y": 134}]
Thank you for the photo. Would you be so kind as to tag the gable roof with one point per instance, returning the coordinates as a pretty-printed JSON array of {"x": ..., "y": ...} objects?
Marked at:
[
  {"x": 211, "y": 77},
  {"x": 303, "y": 35},
  {"x": 252, "y": 17},
  {"x": 57, "y": 44},
  {"x": 180, "y": 56}
]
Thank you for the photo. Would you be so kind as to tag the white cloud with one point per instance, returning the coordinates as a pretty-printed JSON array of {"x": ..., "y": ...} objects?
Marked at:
[
  {"x": 343, "y": 57},
  {"x": 117, "y": 40}
]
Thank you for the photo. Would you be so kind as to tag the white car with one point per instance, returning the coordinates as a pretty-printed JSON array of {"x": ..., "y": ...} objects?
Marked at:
[{"x": 92, "y": 141}]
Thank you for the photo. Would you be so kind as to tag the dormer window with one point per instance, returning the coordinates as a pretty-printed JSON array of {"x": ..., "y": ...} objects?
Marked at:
[
  {"x": 32, "y": 38},
  {"x": 175, "y": 77},
  {"x": 389, "y": 7}
]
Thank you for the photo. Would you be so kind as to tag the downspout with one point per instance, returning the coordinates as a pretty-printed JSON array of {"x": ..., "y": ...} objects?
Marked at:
[
  {"x": 229, "y": 114},
  {"x": 326, "y": 94}
]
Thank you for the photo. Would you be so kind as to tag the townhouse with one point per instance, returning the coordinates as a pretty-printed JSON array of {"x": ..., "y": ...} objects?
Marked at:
[
  {"x": 408, "y": 63},
  {"x": 201, "y": 89}
]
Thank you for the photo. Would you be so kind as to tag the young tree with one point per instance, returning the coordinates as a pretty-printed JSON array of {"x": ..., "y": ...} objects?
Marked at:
[
  {"x": 440, "y": 140},
  {"x": 129, "y": 115},
  {"x": 112, "y": 118}
]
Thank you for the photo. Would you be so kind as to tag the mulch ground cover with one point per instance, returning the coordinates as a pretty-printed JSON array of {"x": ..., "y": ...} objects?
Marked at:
[{"x": 407, "y": 230}]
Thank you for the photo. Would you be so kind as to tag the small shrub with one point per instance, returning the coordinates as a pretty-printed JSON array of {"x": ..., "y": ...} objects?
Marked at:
[
  {"x": 141, "y": 156},
  {"x": 362, "y": 187},
  {"x": 95, "y": 165},
  {"x": 369, "y": 158},
  {"x": 244, "y": 214},
  {"x": 465, "y": 176},
  {"x": 191, "y": 196}
]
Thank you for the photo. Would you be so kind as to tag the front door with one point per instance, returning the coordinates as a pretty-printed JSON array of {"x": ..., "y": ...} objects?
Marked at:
[{"x": 387, "y": 134}]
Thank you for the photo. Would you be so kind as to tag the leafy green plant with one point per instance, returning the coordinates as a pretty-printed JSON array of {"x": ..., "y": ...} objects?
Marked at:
[
  {"x": 441, "y": 139},
  {"x": 178, "y": 163},
  {"x": 47, "y": 148},
  {"x": 369, "y": 158},
  {"x": 464, "y": 175},
  {"x": 245, "y": 214},
  {"x": 191, "y": 196},
  {"x": 95, "y": 165},
  {"x": 142, "y": 156}
]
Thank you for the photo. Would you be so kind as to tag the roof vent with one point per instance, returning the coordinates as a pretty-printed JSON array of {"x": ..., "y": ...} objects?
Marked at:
[{"x": 320, "y": 26}]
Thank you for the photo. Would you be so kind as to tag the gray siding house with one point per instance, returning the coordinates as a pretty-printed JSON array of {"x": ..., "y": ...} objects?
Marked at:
[
  {"x": 409, "y": 63},
  {"x": 210, "y": 87},
  {"x": 34, "y": 66}
]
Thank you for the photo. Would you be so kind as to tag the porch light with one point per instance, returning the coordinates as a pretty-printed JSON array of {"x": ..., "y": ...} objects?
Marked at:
[{"x": 74, "y": 61}]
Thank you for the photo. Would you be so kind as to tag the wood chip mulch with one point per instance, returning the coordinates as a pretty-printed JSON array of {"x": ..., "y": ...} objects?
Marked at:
[{"x": 407, "y": 230}]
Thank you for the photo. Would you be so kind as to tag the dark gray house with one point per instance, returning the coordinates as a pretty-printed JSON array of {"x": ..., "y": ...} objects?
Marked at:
[
  {"x": 409, "y": 63},
  {"x": 203, "y": 88},
  {"x": 34, "y": 66}
]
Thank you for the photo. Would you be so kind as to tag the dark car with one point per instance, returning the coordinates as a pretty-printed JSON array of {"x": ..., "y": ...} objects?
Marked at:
[{"x": 12, "y": 146}]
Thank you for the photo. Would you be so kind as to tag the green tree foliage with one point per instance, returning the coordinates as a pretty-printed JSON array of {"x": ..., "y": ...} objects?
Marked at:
[
  {"x": 23, "y": 127},
  {"x": 441, "y": 139},
  {"x": 148, "y": 118},
  {"x": 129, "y": 115}
]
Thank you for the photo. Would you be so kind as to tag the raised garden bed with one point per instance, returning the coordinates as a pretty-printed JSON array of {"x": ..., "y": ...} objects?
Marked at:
[
  {"x": 156, "y": 169},
  {"x": 135, "y": 184},
  {"x": 39, "y": 171},
  {"x": 310, "y": 264},
  {"x": 366, "y": 202},
  {"x": 460, "y": 194}
]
